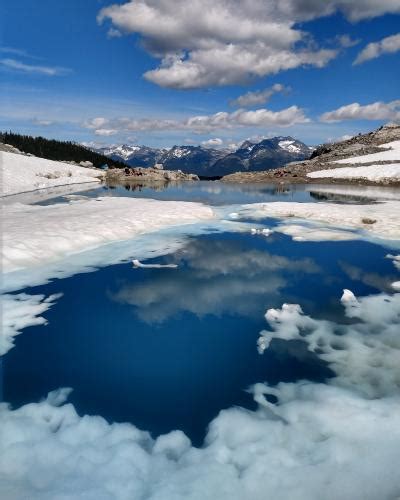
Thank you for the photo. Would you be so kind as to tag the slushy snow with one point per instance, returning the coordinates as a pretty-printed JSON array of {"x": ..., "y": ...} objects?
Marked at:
[
  {"x": 384, "y": 216},
  {"x": 34, "y": 235},
  {"x": 20, "y": 173}
]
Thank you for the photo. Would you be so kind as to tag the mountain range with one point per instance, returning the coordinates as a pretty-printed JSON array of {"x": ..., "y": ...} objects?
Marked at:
[{"x": 208, "y": 162}]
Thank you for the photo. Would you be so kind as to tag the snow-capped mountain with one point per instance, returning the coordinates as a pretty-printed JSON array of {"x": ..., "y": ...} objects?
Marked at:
[
  {"x": 135, "y": 156},
  {"x": 208, "y": 162},
  {"x": 191, "y": 159},
  {"x": 264, "y": 155}
]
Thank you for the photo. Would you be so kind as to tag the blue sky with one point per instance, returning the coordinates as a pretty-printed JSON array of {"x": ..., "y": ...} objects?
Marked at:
[{"x": 144, "y": 71}]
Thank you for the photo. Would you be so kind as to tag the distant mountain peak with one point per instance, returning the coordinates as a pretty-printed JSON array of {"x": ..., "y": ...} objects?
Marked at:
[{"x": 263, "y": 155}]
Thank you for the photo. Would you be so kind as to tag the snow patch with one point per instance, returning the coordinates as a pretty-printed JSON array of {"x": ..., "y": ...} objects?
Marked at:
[
  {"x": 20, "y": 311},
  {"x": 35, "y": 235},
  {"x": 365, "y": 355},
  {"x": 289, "y": 146},
  {"x": 303, "y": 233},
  {"x": 375, "y": 173},
  {"x": 20, "y": 173},
  {"x": 137, "y": 263},
  {"x": 393, "y": 154},
  {"x": 385, "y": 215}
]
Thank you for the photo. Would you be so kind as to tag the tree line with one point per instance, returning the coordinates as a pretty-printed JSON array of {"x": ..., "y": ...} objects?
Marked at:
[{"x": 52, "y": 149}]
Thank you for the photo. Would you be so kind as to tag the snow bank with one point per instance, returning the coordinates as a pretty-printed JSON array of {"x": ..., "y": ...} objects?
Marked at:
[
  {"x": 20, "y": 173},
  {"x": 375, "y": 173},
  {"x": 378, "y": 219},
  {"x": 18, "y": 312},
  {"x": 34, "y": 235},
  {"x": 392, "y": 155},
  {"x": 365, "y": 355},
  {"x": 316, "y": 443}
]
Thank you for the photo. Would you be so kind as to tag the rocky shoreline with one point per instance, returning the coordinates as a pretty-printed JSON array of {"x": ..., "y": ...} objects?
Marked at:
[{"x": 147, "y": 174}]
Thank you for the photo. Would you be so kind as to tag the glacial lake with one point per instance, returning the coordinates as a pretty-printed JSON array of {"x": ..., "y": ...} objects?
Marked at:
[{"x": 169, "y": 348}]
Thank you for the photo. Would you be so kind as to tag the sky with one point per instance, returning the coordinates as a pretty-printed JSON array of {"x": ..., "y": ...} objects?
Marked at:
[{"x": 210, "y": 72}]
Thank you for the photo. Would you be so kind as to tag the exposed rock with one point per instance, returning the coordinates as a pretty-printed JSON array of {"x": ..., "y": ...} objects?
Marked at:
[
  {"x": 87, "y": 164},
  {"x": 150, "y": 174}
]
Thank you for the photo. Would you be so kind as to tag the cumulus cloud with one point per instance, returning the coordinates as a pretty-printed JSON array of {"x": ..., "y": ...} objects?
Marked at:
[
  {"x": 257, "y": 97},
  {"x": 213, "y": 143},
  {"x": 105, "y": 132},
  {"x": 388, "y": 45},
  {"x": 223, "y": 42},
  {"x": 13, "y": 64},
  {"x": 216, "y": 42},
  {"x": 355, "y": 111},
  {"x": 202, "y": 123}
]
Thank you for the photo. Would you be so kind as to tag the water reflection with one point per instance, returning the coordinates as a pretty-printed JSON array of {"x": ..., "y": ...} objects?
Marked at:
[
  {"x": 169, "y": 348},
  {"x": 214, "y": 277}
]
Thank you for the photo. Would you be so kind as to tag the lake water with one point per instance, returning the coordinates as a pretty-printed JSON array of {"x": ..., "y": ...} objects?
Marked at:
[{"x": 169, "y": 348}]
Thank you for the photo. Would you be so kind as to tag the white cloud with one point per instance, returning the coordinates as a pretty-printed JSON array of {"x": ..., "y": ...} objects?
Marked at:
[
  {"x": 388, "y": 45},
  {"x": 232, "y": 64},
  {"x": 105, "y": 132},
  {"x": 202, "y": 123},
  {"x": 355, "y": 111},
  {"x": 222, "y": 42},
  {"x": 257, "y": 97},
  {"x": 15, "y": 65},
  {"x": 213, "y": 143}
]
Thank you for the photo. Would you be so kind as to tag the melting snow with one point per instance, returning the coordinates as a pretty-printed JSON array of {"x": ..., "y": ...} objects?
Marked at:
[
  {"x": 316, "y": 443},
  {"x": 20, "y": 173},
  {"x": 372, "y": 172},
  {"x": 34, "y": 235},
  {"x": 392, "y": 155},
  {"x": 386, "y": 222}
]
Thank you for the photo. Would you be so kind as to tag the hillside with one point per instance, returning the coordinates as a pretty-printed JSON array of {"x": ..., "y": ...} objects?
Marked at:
[
  {"x": 52, "y": 149},
  {"x": 372, "y": 158}
]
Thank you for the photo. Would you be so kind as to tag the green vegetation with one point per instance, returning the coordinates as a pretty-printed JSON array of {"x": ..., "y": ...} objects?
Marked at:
[{"x": 56, "y": 150}]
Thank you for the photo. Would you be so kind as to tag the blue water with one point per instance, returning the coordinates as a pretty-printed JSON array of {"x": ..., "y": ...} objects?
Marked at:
[
  {"x": 169, "y": 348},
  {"x": 214, "y": 193}
]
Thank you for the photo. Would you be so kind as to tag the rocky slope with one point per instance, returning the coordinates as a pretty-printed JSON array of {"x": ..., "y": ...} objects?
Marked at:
[{"x": 351, "y": 153}]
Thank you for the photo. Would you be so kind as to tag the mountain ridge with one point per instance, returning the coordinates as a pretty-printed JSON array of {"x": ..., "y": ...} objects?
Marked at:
[{"x": 250, "y": 156}]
